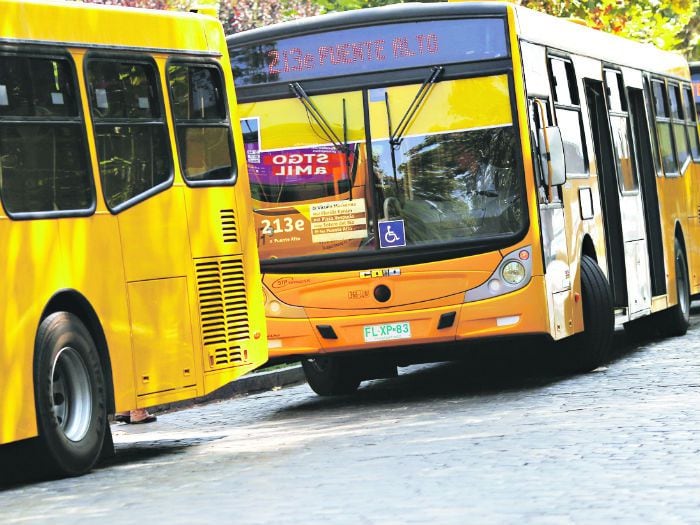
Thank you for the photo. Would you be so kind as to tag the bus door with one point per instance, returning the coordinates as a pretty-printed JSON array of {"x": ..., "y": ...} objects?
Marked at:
[
  {"x": 443, "y": 155},
  {"x": 644, "y": 157},
  {"x": 621, "y": 200}
]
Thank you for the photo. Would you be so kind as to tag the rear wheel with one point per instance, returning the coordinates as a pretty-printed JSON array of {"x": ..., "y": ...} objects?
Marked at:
[
  {"x": 70, "y": 396},
  {"x": 588, "y": 350},
  {"x": 331, "y": 375},
  {"x": 675, "y": 320}
]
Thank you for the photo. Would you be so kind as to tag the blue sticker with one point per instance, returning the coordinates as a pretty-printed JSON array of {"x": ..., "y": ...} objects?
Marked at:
[{"x": 392, "y": 234}]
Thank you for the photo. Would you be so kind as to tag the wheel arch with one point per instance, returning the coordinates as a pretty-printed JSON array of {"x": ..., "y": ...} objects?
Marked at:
[
  {"x": 70, "y": 300},
  {"x": 588, "y": 248},
  {"x": 678, "y": 234}
]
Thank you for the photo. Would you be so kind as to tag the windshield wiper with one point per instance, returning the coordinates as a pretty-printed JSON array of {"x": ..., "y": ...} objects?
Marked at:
[
  {"x": 339, "y": 144},
  {"x": 396, "y": 137}
]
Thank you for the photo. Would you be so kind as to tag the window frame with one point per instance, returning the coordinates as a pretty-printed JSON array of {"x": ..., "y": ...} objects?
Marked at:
[
  {"x": 214, "y": 64},
  {"x": 131, "y": 58},
  {"x": 691, "y": 119},
  {"x": 679, "y": 121},
  {"x": 664, "y": 120},
  {"x": 574, "y": 106},
  {"x": 49, "y": 53},
  {"x": 622, "y": 112}
]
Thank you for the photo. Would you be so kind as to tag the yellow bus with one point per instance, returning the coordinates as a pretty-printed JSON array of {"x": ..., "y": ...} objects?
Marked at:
[
  {"x": 131, "y": 275},
  {"x": 425, "y": 175}
]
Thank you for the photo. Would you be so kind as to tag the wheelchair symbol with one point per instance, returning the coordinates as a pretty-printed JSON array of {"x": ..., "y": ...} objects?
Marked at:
[
  {"x": 392, "y": 234},
  {"x": 390, "y": 237}
]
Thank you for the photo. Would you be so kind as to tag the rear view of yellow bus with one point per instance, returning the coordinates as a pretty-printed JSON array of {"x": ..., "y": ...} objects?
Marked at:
[
  {"x": 130, "y": 277},
  {"x": 426, "y": 175}
]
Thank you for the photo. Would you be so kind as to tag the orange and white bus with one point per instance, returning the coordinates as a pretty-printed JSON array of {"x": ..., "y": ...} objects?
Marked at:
[
  {"x": 130, "y": 275},
  {"x": 432, "y": 174}
]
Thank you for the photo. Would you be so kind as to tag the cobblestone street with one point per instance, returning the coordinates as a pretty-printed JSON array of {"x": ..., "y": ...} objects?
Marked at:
[{"x": 493, "y": 439}]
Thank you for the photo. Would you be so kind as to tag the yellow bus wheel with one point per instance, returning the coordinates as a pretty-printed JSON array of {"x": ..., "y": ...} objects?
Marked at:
[
  {"x": 70, "y": 396},
  {"x": 675, "y": 320},
  {"x": 586, "y": 351}
]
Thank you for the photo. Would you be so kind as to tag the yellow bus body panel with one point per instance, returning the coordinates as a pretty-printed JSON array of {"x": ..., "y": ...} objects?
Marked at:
[{"x": 137, "y": 270}]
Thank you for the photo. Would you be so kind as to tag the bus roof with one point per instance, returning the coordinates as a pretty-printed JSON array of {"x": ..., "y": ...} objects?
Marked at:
[
  {"x": 532, "y": 26},
  {"x": 79, "y": 24}
]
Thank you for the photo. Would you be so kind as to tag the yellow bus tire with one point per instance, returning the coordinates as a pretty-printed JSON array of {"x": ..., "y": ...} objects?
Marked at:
[
  {"x": 675, "y": 321},
  {"x": 70, "y": 396},
  {"x": 591, "y": 348}
]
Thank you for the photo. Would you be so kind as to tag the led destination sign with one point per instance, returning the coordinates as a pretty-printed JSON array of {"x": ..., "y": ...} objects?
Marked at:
[{"x": 369, "y": 49}]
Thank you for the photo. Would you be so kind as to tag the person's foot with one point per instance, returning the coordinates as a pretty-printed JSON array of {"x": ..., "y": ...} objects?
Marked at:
[{"x": 134, "y": 417}]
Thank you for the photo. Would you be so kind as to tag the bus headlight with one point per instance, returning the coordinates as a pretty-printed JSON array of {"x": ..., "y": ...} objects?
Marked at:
[{"x": 513, "y": 272}]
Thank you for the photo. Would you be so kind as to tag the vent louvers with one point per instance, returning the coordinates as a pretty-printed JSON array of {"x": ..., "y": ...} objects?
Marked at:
[
  {"x": 228, "y": 226},
  {"x": 223, "y": 310}
]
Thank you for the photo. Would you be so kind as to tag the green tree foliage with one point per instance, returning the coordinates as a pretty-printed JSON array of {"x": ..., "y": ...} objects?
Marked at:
[{"x": 669, "y": 24}]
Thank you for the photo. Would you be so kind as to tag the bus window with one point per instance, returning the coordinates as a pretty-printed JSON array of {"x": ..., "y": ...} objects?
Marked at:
[
  {"x": 568, "y": 112},
  {"x": 619, "y": 124},
  {"x": 203, "y": 129},
  {"x": 130, "y": 133},
  {"x": 679, "y": 132},
  {"x": 663, "y": 128},
  {"x": 43, "y": 154},
  {"x": 691, "y": 123}
]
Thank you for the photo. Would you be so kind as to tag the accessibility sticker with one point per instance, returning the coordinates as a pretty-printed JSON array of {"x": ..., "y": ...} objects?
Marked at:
[{"x": 392, "y": 234}]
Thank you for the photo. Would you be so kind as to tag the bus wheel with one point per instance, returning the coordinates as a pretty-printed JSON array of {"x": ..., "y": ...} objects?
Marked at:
[
  {"x": 589, "y": 349},
  {"x": 331, "y": 375},
  {"x": 675, "y": 320},
  {"x": 70, "y": 395}
]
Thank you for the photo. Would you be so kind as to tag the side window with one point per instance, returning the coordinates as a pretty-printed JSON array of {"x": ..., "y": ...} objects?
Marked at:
[
  {"x": 619, "y": 124},
  {"x": 43, "y": 152},
  {"x": 679, "y": 132},
  {"x": 568, "y": 113},
  {"x": 691, "y": 123},
  {"x": 201, "y": 122},
  {"x": 663, "y": 128},
  {"x": 131, "y": 135}
]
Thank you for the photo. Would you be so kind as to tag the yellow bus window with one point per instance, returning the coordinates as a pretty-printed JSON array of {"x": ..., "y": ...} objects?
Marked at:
[
  {"x": 203, "y": 131},
  {"x": 43, "y": 161}
]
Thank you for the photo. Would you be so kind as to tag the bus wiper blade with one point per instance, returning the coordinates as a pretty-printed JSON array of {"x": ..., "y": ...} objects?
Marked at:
[
  {"x": 396, "y": 137},
  {"x": 338, "y": 144}
]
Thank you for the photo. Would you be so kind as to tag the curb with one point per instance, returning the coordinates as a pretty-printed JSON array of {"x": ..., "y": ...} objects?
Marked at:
[{"x": 248, "y": 384}]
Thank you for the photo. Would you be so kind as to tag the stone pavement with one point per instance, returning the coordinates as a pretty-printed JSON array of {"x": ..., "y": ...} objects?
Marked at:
[{"x": 496, "y": 439}]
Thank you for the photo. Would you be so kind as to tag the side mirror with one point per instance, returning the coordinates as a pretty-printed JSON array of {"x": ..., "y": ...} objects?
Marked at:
[{"x": 552, "y": 156}]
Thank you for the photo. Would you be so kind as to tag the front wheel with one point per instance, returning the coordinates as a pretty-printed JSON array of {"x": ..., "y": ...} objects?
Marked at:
[
  {"x": 588, "y": 350},
  {"x": 675, "y": 320},
  {"x": 70, "y": 396},
  {"x": 331, "y": 375}
]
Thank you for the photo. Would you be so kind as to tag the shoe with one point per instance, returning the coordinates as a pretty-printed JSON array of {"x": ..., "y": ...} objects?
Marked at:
[
  {"x": 129, "y": 419},
  {"x": 150, "y": 418}
]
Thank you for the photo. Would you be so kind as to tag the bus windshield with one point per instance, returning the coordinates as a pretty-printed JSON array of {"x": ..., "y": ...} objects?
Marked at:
[{"x": 430, "y": 161}]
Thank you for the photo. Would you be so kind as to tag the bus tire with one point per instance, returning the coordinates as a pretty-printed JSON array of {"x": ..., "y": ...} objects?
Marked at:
[
  {"x": 588, "y": 350},
  {"x": 331, "y": 375},
  {"x": 70, "y": 396},
  {"x": 675, "y": 320}
]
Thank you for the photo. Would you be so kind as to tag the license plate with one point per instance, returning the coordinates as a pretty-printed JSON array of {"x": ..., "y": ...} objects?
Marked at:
[{"x": 387, "y": 332}]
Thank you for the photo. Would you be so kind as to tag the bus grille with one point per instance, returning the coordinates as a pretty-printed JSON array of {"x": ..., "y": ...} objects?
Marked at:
[
  {"x": 223, "y": 310},
  {"x": 228, "y": 226}
]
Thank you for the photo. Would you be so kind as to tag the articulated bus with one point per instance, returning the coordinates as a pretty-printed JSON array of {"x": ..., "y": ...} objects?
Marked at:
[
  {"x": 131, "y": 275},
  {"x": 695, "y": 74},
  {"x": 426, "y": 175}
]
